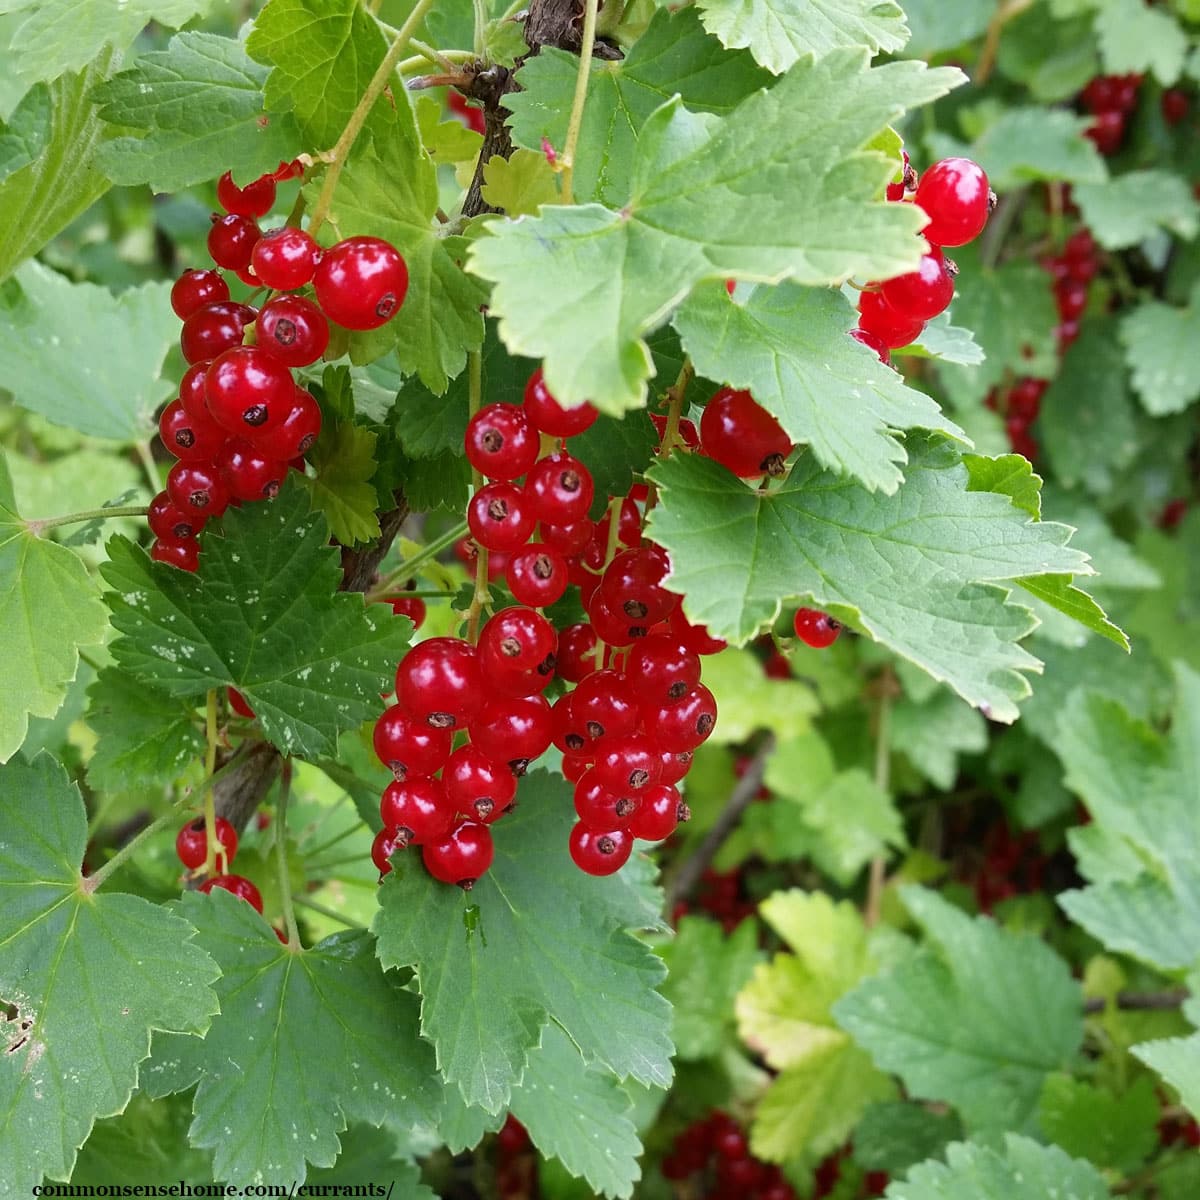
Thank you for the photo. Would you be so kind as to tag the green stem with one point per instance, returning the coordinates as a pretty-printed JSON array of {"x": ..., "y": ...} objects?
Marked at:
[
  {"x": 331, "y": 913},
  {"x": 41, "y": 524},
  {"x": 210, "y": 767},
  {"x": 883, "y": 773},
  {"x": 358, "y": 118},
  {"x": 427, "y": 55},
  {"x": 410, "y": 566},
  {"x": 610, "y": 552},
  {"x": 281, "y": 862},
  {"x": 481, "y": 20},
  {"x": 149, "y": 465},
  {"x": 577, "y": 105}
]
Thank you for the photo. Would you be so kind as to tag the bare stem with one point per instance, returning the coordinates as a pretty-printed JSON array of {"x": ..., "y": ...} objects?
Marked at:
[
  {"x": 149, "y": 465},
  {"x": 1140, "y": 1001},
  {"x": 407, "y": 569},
  {"x": 991, "y": 45},
  {"x": 331, "y": 913},
  {"x": 210, "y": 769},
  {"x": 883, "y": 770},
  {"x": 281, "y": 861},
  {"x": 577, "y": 105},
  {"x": 41, "y": 524}
]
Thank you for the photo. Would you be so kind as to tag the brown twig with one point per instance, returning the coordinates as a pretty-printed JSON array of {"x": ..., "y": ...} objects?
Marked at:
[{"x": 1140, "y": 1001}]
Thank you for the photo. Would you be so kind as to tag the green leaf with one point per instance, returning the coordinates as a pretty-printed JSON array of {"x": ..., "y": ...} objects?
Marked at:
[
  {"x": 749, "y": 701},
  {"x": 673, "y": 57},
  {"x": 322, "y": 54},
  {"x": 1110, "y": 1131},
  {"x": 1158, "y": 341},
  {"x": 83, "y": 357},
  {"x": 48, "y": 609},
  {"x": 369, "y": 1155},
  {"x": 1139, "y": 786},
  {"x": 143, "y": 736},
  {"x": 198, "y": 110},
  {"x": 790, "y": 347},
  {"x": 939, "y": 26},
  {"x": 266, "y": 1104},
  {"x": 950, "y": 343},
  {"x": 778, "y": 32},
  {"x": 1177, "y": 1060},
  {"x": 520, "y": 185},
  {"x": 785, "y": 1012},
  {"x": 24, "y": 136},
  {"x": 147, "y": 1140},
  {"x": 1134, "y": 38},
  {"x": 903, "y": 568},
  {"x": 489, "y": 986},
  {"x": 344, "y": 459},
  {"x": 755, "y": 195},
  {"x": 446, "y": 141},
  {"x": 1053, "y": 59},
  {"x": 89, "y": 974},
  {"x": 47, "y": 194},
  {"x": 62, "y": 35},
  {"x": 935, "y": 733},
  {"x": 893, "y": 1136},
  {"x": 705, "y": 971},
  {"x": 615, "y": 449},
  {"x": 263, "y": 615},
  {"x": 1025, "y": 1171},
  {"x": 1125, "y": 211},
  {"x": 978, "y": 1018}
]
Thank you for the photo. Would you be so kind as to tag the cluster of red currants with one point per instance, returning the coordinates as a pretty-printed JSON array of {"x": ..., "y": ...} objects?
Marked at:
[
  {"x": 1111, "y": 100},
  {"x": 516, "y": 1161},
  {"x": 720, "y": 895},
  {"x": 241, "y": 420},
  {"x": 717, "y": 1148},
  {"x": 955, "y": 196},
  {"x": 191, "y": 845}
]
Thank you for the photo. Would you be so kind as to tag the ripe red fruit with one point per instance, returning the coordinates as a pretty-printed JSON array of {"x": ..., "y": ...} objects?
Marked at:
[
  {"x": 285, "y": 258},
  {"x": 569, "y": 539},
  {"x": 194, "y": 438},
  {"x": 408, "y": 747},
  {"x": 516, "y": 639},
  {"x": 470, "y": 115},
  {"x": 659, "y": 813},
  {"x": 386, "y": 843},
  {"x": 440, "y": 682},
  {"x": 559, "y": 489},
  {"x": 576, "y": 657},
  {"x": 476, "y": 786},
  {"x": 606, "y": 705},
  {"x": 418, "y": 810},
  {"x": 412, "y": 607},
  {"x": 955, "y": 196},
  {"x": 599, "y": 853},
  {"x": 1175, "y": 106},
  {"x": 183, "y": 553},
  {"x": 815, "y": 628},
  {"x": 515, "y": 730},
  {"x": 1107, "y": 131},
  {"x": 500, "y": 517},
  {"x": 293, "y": 330},
  {"x": 240, "y": 887},
  {"x": 238, "y": 703},
  {"x": 295, "y": 435},
  {"x": 194, "y": 289},
  {"x": 361, "y": 282},
  {"x": 601, "y": 807},
  {"x": 248, "y": 391},
  {"x": 213, "y": 329},
  {"x": 247, "y": 473},
  {"x": 879, "y": 319},
  {"x": 631, "y": 587},
  {"x": 191, "y": 843},
  {"x": 231, "y": 241},
  {"x": 925, "y": 292},
  {"x": 675, "y": 765},
  {"x": 662, "y": 670},
  {"x": 873, "y": 342},
  {"x": 694, "y": 637},
  {"x": 627, "y": 763},
  {"x": 197, "y": 489},
  {"x": 501, "y": 441},
  {"x": 462, "y": 857},
  {"x": 537, "y": 575},
  {"x": 191, "y": 391},
  {"x": 253, "y": 200},
  {"x": 167, "y": 521},
  {"x": 742, "y": 436},
  {"x": 685, "y": 724},
  {"x": 551, "y": 417}
]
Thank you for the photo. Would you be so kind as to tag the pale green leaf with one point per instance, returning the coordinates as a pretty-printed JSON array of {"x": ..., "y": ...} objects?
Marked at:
[
  {"x": 344, "y": 460},
  {"x": 749, "y": 701},
  {"x": 520, "y": 185},
  {"x": 1136, "y": 38},
  {"x": 937, "y": 25},
  {"x": 1177, "y": 1060},
  {"x": 949, "y": 343},
  {"x": 445, "y": 141},
  {"x": 89, "y": 974},
  {"x": 1125, "y": 211},
  {"x": 1159, "y": 340},
  {"x": 935, "y": 733},
  {"x": 24, "y": 136}
]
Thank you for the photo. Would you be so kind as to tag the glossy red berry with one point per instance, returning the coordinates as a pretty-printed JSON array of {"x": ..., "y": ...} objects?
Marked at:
[
  {"x": 183, "y": 553},
  {"x": 197, "y": 489},
  {"x": 1107, "y": 131},
  {"x": 537, "y": 575},
  {"x": 238, "y": 703},
  {"x": 249, "y": 391},
  {"x": 239, "y": 886},
  {"x": 500, "y": 517},
  {"x": 514, "y": 730},
  {"x": 599, "y": 807},
  {"x": 569, "y": 539},
  {"x": 675, "y": 765},
  {"x": 659, "y": 814},
  {"x": 247, "y": 473},
  {"x": 631, "y": 587},
  {"x": 191, "y": 843},
  {"x": 576, "y": 655},
  {"x": 387, "y": 842},
  {"x": 295, "y": 435},
  {"x": 440, "y": 682},
  {"x": 285, "y": 258},
  {"x": 1071, "y": 299},
  {"x": 293, "y": 329},
  {"x": 628, "y": 763},
  {"x": 599, "y": 853},
  {"x": 685, "y": 724},
  {"x": 1025, "y": 399},
  {"x": 231, "y": 241},
  {"x": 606, "y": 705},
  {"x": 551, "y": 417},
  {"x": 873, "y": 342},
  {"x": 694, "y": 637},
  {"x": 662, "y": 670},
  {"x": 412, "y": 607},
  {"x": 516, "y": 639},
  {"x": 462, "y": 857},
  {"x": 1175, "y": 106},
  {"x": 742, "y": 436},
  {"x": 193, "y": 438},
  {"x": 815, "y": 628},
  {"x": 418, "y": 809},
  {"x": 213, "y": 329},
  {"x": 253, "y": 200},
  {"x": 470, "y": 115},
  {"x": 879, "y": 319},
  {"x": 408, "y": 747},
  {"x": 194, "y": 289},
  {"x": 501, "y": 441},
  {"x": 567, "y": 733},
  {"x": 560, "y": 489},
  {"x": 167, "y": 521},
  {"x": 479, "y": 788},
  {"x": 954, "y": 194},
  {"x": 361, "y": 282},
  {"x": 925, "y": 292},
  {"x": 191, "y": 391}
]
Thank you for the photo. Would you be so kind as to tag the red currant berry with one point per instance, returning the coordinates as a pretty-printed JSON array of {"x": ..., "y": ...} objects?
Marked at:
[
  {"x": 412, "y": 607},
  {"x": 1100, "y": 94},
  {"x": 238, "y": 703},
  {"x": 249, "y": 390},
  {"x": 295, "y": 435},
  {"x": 254, "y": 200},
  {"x": 194, "y": 289},
  {"x": 471, "y": 116},
  {"x": 213, "y": 329},
  {"x": 501, "y": 441},
  {"x": 606, "y": 705},
  {"x": 1025, "y": 399},
  {"x": 1071, "y": 299},
  {"x": 600, "y": 807},
  {"x": 954, "y": 194},
  {"x": 183, "y": 553},
  {"x": 659, "y": 813},
  {"x": 662, "y": 670},
  {"x": 514, "y": 730},
  {"x": 689, "y": 435},
  {"x": 191, "y": 392},
  {"x": 441, "y": 683},
  {"x": 285, "y": 259},
  {"x": 559, "y": 489},
  {"x": 567, "y": 733},
  {"x": 231, "y": 241},
  {"x": 742, "y": 436},
  {"x": 247, "y": 473},
  {"x": 462, "y": 857},
  {"x": 408, "y": 747},
  {"x": 537, "y": 575},
  {"x": 361, "y": 282},
  {"x": 815, "y": 628},
  {"x": 418, "y": 810},
  {"x": 194, "y": 438},
  {"x": 551, "y": 417},
  {"x": 477, "y": 787},
  {"x": 167, "y": 521},
  {"x": 694, "y": 637},
  {"x": 1175, "y": 106},
  {"x": 599, "y": 853},
  {"x": 576, "y": 655},
  {"x": 500, "y": 517},
  {"x": 240, "y": 887},
  {"x": 879, "y": 319},
  {"x": 387, "y": 842},
  {"x": 632, "y": 587},
  {"x": 685, "y": 724},
  {"x": 293, "y": 330},
  {"x": 197, "y": 489},
  {"x": 675, "y": 766},
  {"x": 925, "y": 292},
  {"x": 628, "y": 763},
  {"x": 571, "y": 539},
  {"x": 516, "y": 639},
  {"x": 191, "y": 844},
  {"x": 1107, "y": 131},
  {"x": 612, "y": 627},
  {"x": 873, "y": 342},
  {"x": 574, "y": 766}
]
